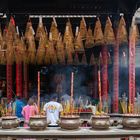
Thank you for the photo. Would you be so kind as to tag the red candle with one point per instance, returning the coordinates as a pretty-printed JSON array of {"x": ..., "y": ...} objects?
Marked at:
[
  {"x": 71, "y": 96},
  {"x": 132, "y": 69},
  {"x": 116, "y": 78},
  {"x": 99, "y": 90},
  {"x": 38, "y": 81}
]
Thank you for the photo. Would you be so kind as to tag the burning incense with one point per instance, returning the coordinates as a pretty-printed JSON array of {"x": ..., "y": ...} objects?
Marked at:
[
  {"x": 99, "y": 90},
  {"x": 38, "y": 81},
  {"x": 71, "y": 95}
]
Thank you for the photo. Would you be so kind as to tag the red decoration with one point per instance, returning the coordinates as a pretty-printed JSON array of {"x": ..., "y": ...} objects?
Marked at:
[
  {"x": 116, "y": 78},
  {"x": 25, "y": 88},
  {"x": 19, "y": 79},
  {"x": 105, "y": 73},
  {"x": 132, "y": 58},
  {"x": 9, "y": 80}
]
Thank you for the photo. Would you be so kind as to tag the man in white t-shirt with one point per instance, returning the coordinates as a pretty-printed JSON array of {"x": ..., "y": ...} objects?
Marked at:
[{"x": 53, "y": 109}]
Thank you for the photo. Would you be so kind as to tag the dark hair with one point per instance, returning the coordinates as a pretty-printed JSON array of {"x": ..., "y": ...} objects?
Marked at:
[
  {"x": 18, "y": 97},
  {"x": 54, "y": 97},
  {"x": 30, "y": 101}
]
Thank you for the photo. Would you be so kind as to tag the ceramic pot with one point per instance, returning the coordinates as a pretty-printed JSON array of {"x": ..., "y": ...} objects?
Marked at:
[
  {"x": 38, "y": 122},
  {"x": 69, "y": 122},
  {"x": 100, "y": 122},
  {"x": 131, "y": 121},
  {"x": 9, "y": 122}
]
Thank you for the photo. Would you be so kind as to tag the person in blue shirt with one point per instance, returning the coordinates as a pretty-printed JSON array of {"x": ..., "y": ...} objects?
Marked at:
[{"x": 18, "y": 106}]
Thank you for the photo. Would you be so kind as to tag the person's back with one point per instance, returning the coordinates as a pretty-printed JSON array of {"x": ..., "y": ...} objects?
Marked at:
[
  {"x": 53, "y": 109},
  {"x": 18, "y": 107},
  {"x": 28, "y": 111}
]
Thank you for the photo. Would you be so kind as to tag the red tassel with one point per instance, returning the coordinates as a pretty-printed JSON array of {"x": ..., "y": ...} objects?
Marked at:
[
  {"x": 25, "y": 88},
  {"x": 104, "y": 73},
  {"x": 19, "y": 79},
  {"x": 9, "y": 81},
  {"x": 116, "y": 78}
]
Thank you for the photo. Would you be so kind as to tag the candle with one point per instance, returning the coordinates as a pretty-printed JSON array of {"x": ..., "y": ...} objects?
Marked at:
[
  {"x": 71, "y": 95},
  {"x": 99, "y": 90},
  {"x": 38, "y": 81}
]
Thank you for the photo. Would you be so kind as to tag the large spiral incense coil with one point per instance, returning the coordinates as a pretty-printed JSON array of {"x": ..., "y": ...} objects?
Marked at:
[{"x": 109, "y": 36}]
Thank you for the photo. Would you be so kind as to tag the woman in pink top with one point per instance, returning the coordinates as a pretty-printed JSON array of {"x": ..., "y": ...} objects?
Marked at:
[{"x": 29, "y": 110}]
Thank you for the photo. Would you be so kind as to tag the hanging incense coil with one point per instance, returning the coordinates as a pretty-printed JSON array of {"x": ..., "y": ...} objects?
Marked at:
[
  {"x": 60, "y": 51},
  {"x": 109, "y": 36},
  {"x": 40, "y": 31},
  {"x": 19, "y": 50},
  {"x": 98, "y": 34},
  {"x": 76, "y": 59},
  {"x": 2, "y": 50},
  {"x": 52, "y": 53},
  {"x": 122, "y": 32},
  {"x": 79, "y": 44},
  {"x": 69, "y": 59},
  {"x": 89, "y": 38},
  {"x": 84, "y": 60},
  {"x": 41, "y": 51},
  {"x": 92, "y": 59},
  {"x": 137, "y": 35},
  {"x": 68, "y": 35},
  {"x": 83, "y": 29},
  {"x": 29, "y": 36},
  {"x": 54, "y": 31},
  {"x": 47, "y": 60}
]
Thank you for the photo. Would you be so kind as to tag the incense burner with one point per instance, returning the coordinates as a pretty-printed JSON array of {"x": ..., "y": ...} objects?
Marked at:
[
  {"x": 100, "y": 121},
  {"x": 38, "y": 122},
  {"x": 10, "y": 122},
  {"x": 70, "y": 122},
  {"x": 131, "y": 121}
]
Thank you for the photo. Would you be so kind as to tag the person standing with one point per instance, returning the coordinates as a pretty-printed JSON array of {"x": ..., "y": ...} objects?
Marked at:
[
  {"x": 29, "y": 110},
  {"x": 53, "y": 110}
]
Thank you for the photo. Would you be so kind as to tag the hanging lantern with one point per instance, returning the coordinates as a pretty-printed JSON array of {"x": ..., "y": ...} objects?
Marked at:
[
  {"x": 89, "y": 39},
  {"x": 98, "y": 34},
  {"x": 109, "y": 36},
  {"x": 83, "y": 29}
]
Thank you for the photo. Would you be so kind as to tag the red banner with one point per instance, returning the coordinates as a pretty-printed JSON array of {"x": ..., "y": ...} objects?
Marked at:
[
  {"x": 25, "y": 80},
  {"x": 9, "y": 81},
  {"x": 116, "y": 78},
  {"x": 105, "y": 73},
  {"x": 19, "y": 79}
]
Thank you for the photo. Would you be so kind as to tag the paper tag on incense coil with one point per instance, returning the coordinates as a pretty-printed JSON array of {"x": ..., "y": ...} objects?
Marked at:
[
  {"x": 17, "y": 29},
  {"x": 50, "y": 36},
  {"x": 40, "y": 21},
  {"x": 77, "y": 30},
  {"x": 55, "y": 21}
]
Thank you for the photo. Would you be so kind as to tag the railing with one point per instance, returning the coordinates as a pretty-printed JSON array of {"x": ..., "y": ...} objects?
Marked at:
[{"x": 54, "y": 133}]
